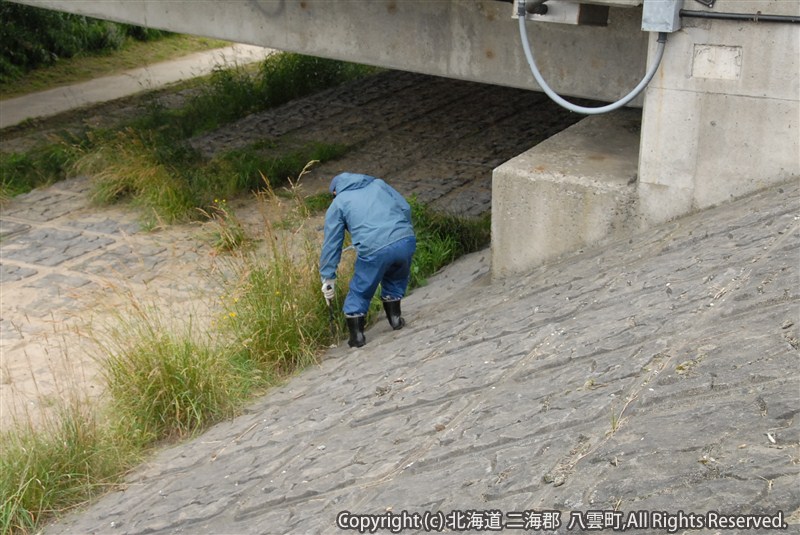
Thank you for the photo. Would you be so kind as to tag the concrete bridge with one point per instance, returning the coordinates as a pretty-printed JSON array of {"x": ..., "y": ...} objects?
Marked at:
[{"x": 719, "y": 119}]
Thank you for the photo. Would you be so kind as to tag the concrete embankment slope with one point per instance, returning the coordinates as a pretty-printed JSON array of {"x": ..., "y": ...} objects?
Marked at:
[{"x": 659, "y": 373}]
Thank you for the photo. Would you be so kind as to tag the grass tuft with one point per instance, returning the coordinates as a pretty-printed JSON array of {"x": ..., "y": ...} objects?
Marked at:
[
  {"x": 166, "y": 381},
  {"x": 40, "y": 166},
  {"x": 228, "y": 234},
  {"x": 52, "y": 467},
  {"x": 442, "y": 238},
  {"x": 129, "y": 165},
  {"x": 275, "y": 315}
]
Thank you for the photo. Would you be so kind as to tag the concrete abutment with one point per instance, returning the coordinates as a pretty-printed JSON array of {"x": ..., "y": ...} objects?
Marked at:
[
  {"x": 573, "y": 190},
  {"x": 720, "y": 120}
]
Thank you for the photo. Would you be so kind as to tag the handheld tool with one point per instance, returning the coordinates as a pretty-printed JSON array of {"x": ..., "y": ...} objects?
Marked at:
[{"x": 332, "y": 321}]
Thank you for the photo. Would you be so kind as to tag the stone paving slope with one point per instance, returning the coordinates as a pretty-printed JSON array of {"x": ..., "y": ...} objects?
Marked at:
[
  {"x": 66, "y": 268},
  {"x": 65, "y": 264},
  {"x": 658, "y": 373},
  {"x": 435, "y": 138}
]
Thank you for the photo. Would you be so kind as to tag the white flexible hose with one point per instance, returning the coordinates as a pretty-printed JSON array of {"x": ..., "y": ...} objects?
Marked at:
[{"x": 523, "y": 34}]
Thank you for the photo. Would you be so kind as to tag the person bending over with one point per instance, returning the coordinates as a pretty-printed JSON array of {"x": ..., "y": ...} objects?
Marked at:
[{"x": 378, "y": 219}]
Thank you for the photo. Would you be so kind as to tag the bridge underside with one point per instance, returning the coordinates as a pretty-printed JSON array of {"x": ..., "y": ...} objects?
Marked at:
[{"x": 719, "y": 120}]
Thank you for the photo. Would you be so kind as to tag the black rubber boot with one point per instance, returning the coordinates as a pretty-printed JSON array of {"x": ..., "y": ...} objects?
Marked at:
[
  {"x": 392, "y": 309},
  {"x": 355, "y": 324}
]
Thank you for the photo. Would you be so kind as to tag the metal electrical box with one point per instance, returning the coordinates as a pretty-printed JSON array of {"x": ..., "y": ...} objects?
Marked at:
[{"x": 661, "y": 15}]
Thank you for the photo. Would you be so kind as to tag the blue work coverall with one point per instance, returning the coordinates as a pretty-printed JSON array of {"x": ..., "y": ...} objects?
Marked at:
[{"x": 379, "y": 221}]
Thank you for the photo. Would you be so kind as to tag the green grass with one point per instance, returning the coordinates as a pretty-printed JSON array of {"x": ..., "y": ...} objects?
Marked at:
[
  {"x": 314, "y": 204},
  {"x": 129, "y": 165},
  {"x": 52, "y": 467},
  {"x": 167, "y": 382},
  {"x": 173, "y": 183},
  {"x": 442, "y": 238},
  {"x": 234, "y": 92},
  {"x": 248, "y": 168},
  {"x": 33, "y": 39},
  {"x": 41, "y": 166},
  {"x": 275, "y": 314}
]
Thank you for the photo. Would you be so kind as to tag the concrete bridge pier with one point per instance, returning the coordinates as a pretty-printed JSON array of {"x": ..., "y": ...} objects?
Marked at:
[{"x": 721, "y": 119}]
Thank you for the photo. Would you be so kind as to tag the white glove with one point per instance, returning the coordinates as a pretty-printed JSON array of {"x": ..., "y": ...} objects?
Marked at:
[{"x": 327, "y": 288}]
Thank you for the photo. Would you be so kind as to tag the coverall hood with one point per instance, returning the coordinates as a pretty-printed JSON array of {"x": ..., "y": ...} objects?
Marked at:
[{"x": 347, "y": 181}]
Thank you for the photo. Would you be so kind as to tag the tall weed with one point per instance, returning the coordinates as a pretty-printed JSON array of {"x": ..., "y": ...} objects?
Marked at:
[
  {"x": 166, "y": 381},
  {"x": 130, "y": 166},
  {"x": 276, "y": 317},
  {"x": 49, "y": 468}
]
